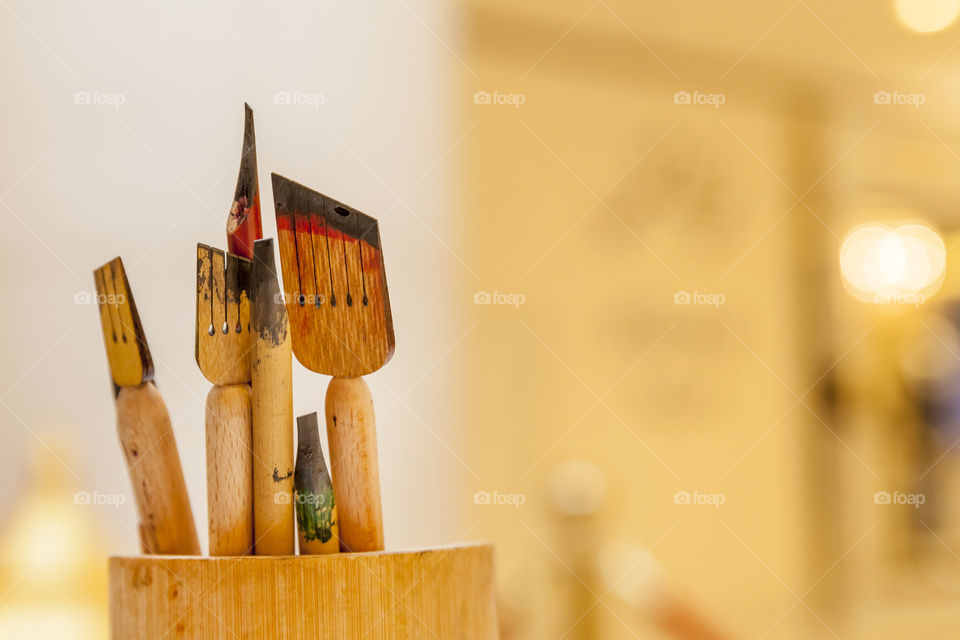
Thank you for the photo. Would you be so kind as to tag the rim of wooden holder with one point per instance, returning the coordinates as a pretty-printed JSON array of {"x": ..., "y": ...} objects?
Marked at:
[{"x": 442, "y": 592}]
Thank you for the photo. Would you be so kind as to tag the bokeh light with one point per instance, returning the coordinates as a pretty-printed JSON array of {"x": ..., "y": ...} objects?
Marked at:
[
  {"x": 900, "y": 265},
  {"x": 927, "y": 16}
]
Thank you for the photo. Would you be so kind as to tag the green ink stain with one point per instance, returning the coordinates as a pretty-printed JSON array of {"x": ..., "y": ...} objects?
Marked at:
[{"x": 315, "y": 514}]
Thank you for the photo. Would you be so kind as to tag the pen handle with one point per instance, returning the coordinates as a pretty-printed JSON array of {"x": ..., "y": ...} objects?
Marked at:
[
  {"x": 229, "y": 470},
  {"x": 273, "y": 518},
  {"x": 146, "y": 435},
  {"x": 352, "y": 436}
]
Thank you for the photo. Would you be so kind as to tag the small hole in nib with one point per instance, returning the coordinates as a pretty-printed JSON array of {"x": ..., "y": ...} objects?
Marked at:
[
  {"x": 349, "y": 300},
  {"x": 210, "y": 330},
  {"x": 302, "y": 300},
  {"x": 365, "y": 300},
  {"x": 239, "y": 328},
  {"x": 225, "y": 328},
  {"x": 333, "y": 300}
]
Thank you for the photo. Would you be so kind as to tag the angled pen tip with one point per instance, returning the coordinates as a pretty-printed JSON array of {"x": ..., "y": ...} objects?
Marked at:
[
  {"x": 263, "y": 253},
  {"x": 307, "y": 421},
  {"x": 127, "y": 350},
  {"x": 269, "y": 314},
  {"x": 244, "y": 224}
]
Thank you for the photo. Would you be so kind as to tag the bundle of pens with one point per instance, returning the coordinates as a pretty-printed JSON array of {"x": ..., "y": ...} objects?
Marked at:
[{"x": 335, "y": 315}]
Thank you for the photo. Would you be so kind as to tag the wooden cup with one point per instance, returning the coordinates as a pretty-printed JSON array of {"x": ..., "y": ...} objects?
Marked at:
[{"x": 443, "y": 593}]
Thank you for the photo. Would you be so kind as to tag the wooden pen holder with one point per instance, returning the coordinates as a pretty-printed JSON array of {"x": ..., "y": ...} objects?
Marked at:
[{"x": 433, "y": 593}]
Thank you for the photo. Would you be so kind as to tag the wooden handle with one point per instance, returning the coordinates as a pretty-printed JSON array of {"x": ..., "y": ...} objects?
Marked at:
[
  {"x": 143, "y": 424},
  {"x": 230, "y": 470},
  {"x": 352, "y": 435},
  {"x": 273, "y": 519}
]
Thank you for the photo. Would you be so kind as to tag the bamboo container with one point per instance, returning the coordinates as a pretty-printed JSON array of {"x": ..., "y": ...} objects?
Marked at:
[{"x": 434, "y": 593}]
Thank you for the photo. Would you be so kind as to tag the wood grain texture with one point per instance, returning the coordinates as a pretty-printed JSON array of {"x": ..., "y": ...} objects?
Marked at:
[
  {"x": 127, "y": 351},
  {"x": 438, "y": 593},
  {"x": 223, "y": 340},
  {"x": 334, "y": 282},
  {"x": 352, "y": 437},
  {"x": 143, "y": 425},
  {"x": 230, "y": 470},
  {"x": 273, "y": 517}
]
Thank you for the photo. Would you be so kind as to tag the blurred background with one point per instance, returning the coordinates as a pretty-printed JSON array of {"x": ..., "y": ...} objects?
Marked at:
[{"x": 674, "y": 289}]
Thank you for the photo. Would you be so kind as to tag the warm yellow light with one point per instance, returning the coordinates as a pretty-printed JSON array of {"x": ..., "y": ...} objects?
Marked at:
[
  {"x": 927, "y": 15},
  {"x": 50, "y": 622},
  {"x": 900, "y": 265}
]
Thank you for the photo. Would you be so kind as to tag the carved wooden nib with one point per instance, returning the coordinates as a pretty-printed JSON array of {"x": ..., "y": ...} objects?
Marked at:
[
  {"x": 127, "y": 350},
  {"x": 334, "y": 280},
  {"x": 223, "y": 316}
]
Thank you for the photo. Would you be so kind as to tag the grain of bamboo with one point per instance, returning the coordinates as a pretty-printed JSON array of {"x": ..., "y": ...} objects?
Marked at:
[
  {"x": 433, "y": 593},
  {"x": 273, "y": 515}
]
